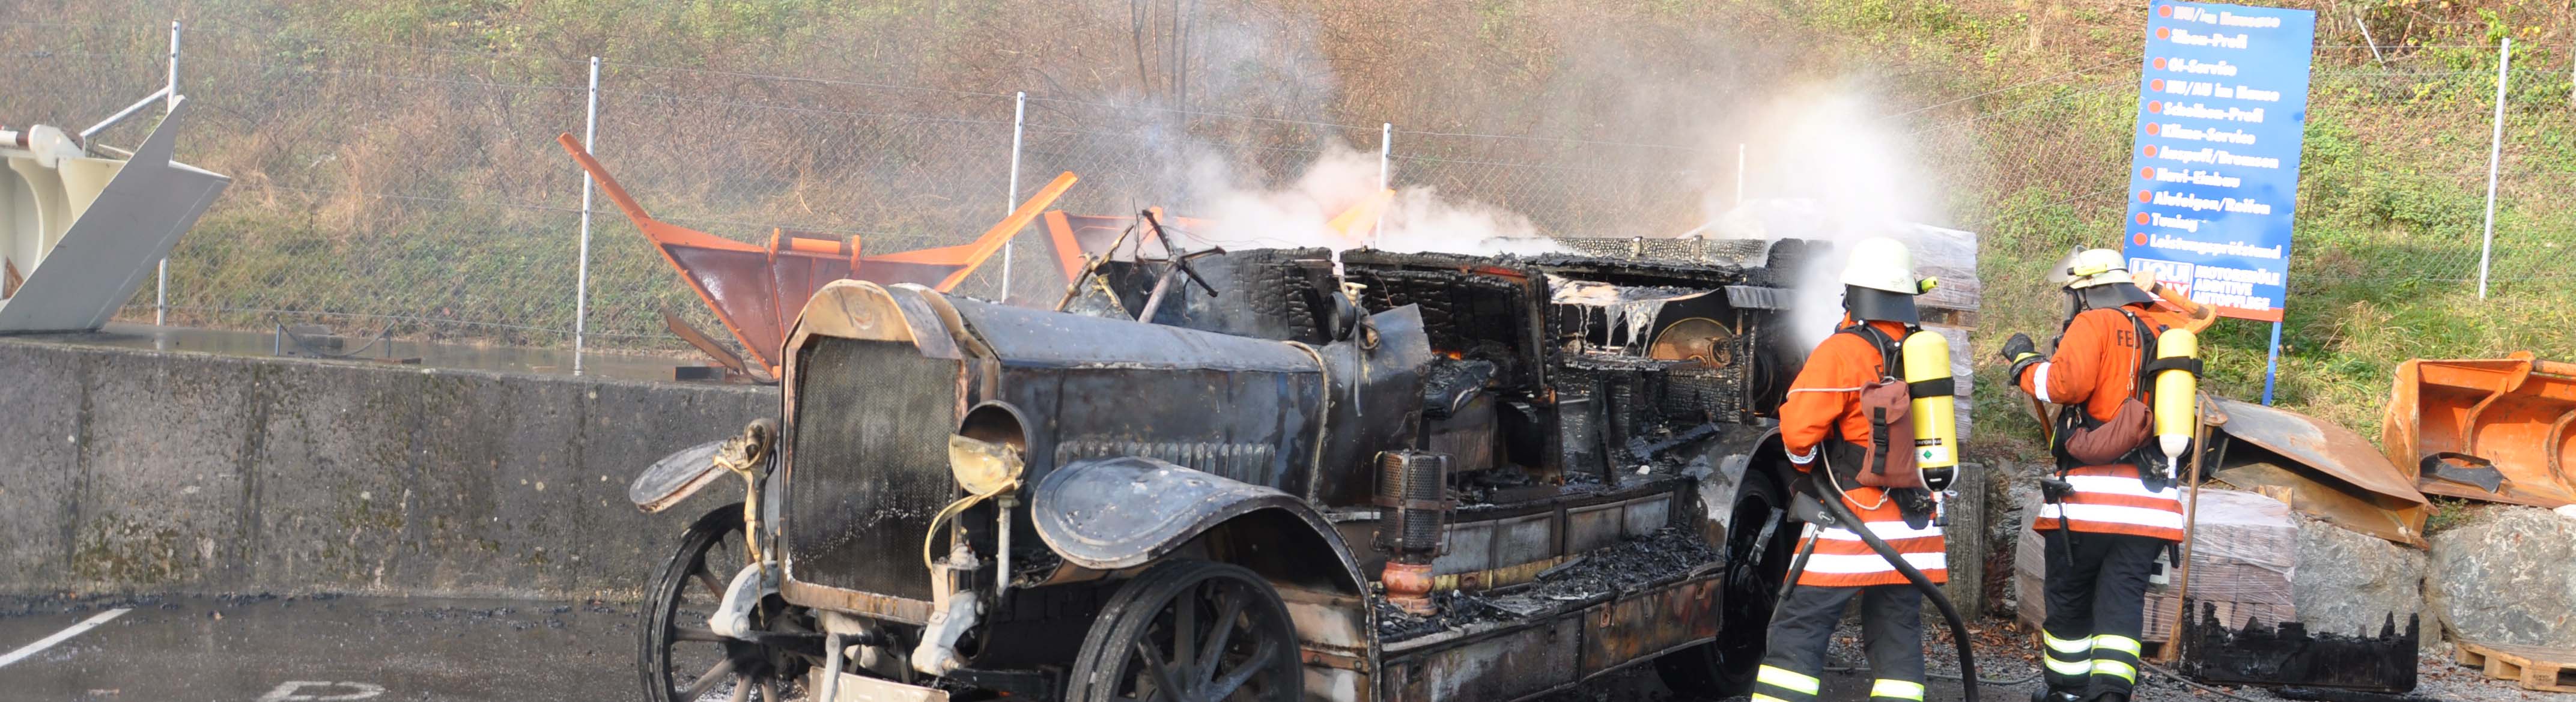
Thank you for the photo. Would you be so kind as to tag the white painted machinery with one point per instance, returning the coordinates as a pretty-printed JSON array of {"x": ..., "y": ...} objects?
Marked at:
[{"x": 82, "y": 225}]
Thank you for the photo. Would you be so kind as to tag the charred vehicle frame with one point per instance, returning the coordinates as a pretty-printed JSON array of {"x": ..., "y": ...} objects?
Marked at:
[{"x": 1304, "y": 475}]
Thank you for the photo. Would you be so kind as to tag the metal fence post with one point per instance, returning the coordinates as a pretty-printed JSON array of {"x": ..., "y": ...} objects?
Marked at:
[
  {"x": 2495, "y": 159},
  {"x": 161, "y": 271},
  {"x": 1385, "y": 144},
  {"x": 1739, "y": 174},
  {"x": 1019, "y": 119},
  {"x": 581, "y": 280},
  {"x": 1385, "y": 181}
]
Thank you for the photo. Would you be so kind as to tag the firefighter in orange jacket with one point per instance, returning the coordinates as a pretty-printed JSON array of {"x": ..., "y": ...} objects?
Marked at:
[
  {"x": 1822, "y": 424},
  {"x": 2104, "y": 522}
]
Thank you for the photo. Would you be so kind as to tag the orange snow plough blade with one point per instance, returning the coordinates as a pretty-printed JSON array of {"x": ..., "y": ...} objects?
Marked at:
[
  {"x": 2497, "y": 429},
  {"x": 757, "y": 290}
]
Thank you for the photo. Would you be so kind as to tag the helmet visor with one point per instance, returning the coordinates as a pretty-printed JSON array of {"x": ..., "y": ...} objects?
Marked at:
[
  {"x": 1880, "y": 305},
  {"x": 2113, "y": 295}
]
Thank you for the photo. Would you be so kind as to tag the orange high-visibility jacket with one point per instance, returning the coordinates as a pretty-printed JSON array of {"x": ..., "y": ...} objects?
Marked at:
[
  {"x": 1823, "y": 406},
  {"x": 2094, "y": 370}
]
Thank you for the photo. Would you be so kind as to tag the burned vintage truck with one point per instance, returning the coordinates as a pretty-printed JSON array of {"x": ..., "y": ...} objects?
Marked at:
[{"x": 1371, "y": 476}]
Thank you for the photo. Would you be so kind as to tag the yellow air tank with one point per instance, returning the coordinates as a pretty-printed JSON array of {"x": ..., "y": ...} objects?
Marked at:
[
  {"x": 2177, "y": 394},
  {"x": 1936, "y": 430}
]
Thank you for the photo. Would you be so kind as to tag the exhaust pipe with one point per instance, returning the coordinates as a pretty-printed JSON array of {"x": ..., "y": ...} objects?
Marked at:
[{"x": 1413, "y": 490}]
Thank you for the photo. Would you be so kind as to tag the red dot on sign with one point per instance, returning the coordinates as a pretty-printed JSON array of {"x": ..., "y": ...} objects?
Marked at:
[
  {"x": 2156, "y": 106},
  {"x": 2139, "y": 238},
  {"x": 2164, "y": 33},
  {"x": 2144, "y": 196},
  {"x": 2147, "y": 173},
  {"x": 2166, "y": 11},
  {"x": 2157, "y": 85},
  {"x": 2160, "y": 64},
  {"x": 2152, "y": 128},
  {"x": 2151, "y": 150},
  {"x": 2142, "y": 218}
]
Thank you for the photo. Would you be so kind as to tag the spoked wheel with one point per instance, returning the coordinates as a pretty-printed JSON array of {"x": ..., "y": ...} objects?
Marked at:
[
  {"x": 1190, "y": 631},
  {"x": 1759, "y": 544},
  {"x": 684, "y": 661}
]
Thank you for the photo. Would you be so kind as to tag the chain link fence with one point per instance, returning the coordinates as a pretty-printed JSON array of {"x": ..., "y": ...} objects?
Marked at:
[
  {"x": 421, "y": 190},
  {"x": 1567, "y": 187}
]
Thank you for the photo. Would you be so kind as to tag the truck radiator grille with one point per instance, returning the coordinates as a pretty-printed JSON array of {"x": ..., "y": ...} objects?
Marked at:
[{"x": 869, "y": 463}]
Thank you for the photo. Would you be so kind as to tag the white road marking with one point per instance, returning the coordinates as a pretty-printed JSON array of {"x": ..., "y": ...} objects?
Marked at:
[
  {"x": 293, "y": 691},
  {"x": 48, "y": 642}
]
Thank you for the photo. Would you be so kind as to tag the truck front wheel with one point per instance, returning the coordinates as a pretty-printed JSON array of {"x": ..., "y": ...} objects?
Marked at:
[
  {"x": 1190, "y": 631},
  {"x": 1760, "y": 540}
]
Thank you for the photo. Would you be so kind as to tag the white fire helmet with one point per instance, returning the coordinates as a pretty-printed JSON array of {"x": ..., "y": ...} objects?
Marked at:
[
  {"x": 1881, "y": 263},
  {"x": 2092, "y": 267}
]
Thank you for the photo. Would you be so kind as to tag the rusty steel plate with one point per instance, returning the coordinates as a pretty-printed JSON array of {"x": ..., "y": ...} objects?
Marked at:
[{"x": 2314, "y": 443}]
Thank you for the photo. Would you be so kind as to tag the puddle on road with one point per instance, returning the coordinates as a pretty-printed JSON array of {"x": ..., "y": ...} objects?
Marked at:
[{"x": 516, "y": 359}]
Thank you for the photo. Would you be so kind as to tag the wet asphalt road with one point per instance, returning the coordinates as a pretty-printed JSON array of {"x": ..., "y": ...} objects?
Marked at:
[
  {"x": 274, "y": 649},
  {"x": 347, "y": 648},
  {"x": 313, "y": 649}
]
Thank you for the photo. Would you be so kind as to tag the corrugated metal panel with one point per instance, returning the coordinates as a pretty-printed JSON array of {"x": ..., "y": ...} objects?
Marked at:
[{"x": 1250, "y": 463}]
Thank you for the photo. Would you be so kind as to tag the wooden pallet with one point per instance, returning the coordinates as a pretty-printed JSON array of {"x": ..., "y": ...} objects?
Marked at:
[{"x": 2535, "y": 667}]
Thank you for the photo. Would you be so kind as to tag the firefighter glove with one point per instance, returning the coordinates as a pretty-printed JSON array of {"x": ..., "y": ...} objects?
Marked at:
[
  {"x": 2021, "y": 354},
  {"x": 2018, "y": 346},
  {"x": 1915, "y": 505}
]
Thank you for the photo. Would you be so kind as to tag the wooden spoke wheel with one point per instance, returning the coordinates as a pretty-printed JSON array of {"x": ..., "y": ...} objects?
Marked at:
[
  {"x": 684, "y": 661},
  {"x": 1190, "y": 631}
]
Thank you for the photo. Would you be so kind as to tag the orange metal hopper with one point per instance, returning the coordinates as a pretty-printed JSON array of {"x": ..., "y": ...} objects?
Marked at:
[
  {"x": 2517, "y": 412},
  {"x": 757, "y": 290}
]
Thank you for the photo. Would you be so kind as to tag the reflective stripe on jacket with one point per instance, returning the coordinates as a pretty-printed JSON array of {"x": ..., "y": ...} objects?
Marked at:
[
  {"x": 2094, "y": 370},
  {"x": 1841, "y": 559},
  {"x": 2111, "y": 500}
]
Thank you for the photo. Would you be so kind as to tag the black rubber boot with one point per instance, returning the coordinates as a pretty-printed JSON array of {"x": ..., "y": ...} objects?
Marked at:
[{"x": 2049, "y": 694}]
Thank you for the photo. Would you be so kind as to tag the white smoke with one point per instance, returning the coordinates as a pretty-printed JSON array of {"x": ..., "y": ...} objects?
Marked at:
[
  {"x": 1299, "y": 213},
  {"x": 1254, "y": 59},
  {"x": 1823, "y": 163},
  {"x": 1420, "y": 219}
]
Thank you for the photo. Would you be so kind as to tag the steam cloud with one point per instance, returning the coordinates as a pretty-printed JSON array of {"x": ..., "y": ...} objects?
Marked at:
[
  {"x": 1297, "y": 213},
  {"x": 1257, "y": 61},
  {"x": 1827, "y": 165}
]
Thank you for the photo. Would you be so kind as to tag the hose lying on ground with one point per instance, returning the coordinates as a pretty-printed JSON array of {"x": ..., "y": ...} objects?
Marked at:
[{"x": 2023, "y": 680}]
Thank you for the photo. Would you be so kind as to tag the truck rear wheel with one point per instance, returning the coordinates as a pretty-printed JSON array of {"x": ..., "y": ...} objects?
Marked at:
[
  {"x": 1190, "y": 631},
  {"x": 1760, "y": 540}
]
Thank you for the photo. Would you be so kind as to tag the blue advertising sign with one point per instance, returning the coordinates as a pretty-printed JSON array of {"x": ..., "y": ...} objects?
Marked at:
[{"x": 2221, "y": 102}]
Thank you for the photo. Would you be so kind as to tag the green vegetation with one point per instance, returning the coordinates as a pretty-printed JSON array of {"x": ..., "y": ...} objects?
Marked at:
[{"x": 2392, "y": 203}]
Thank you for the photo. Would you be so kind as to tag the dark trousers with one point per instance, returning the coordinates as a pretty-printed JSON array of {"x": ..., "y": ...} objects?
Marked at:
[
  {"x": 1891, "y": 624},
  {"x": 2097, "y": 597}
]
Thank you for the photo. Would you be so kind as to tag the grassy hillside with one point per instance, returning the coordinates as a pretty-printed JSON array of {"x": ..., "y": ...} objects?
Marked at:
[{"x": 2017, "y": 112}]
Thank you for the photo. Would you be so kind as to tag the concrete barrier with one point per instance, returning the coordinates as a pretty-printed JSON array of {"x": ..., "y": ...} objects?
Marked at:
[{"x": 127, "y": 470}]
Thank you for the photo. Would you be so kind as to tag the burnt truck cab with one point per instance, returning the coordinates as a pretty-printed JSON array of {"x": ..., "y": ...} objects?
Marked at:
[{"x": 1571, "y": 459}]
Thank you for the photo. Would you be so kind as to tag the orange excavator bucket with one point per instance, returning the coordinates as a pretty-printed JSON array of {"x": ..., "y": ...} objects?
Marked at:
[
  {"x": 756, "y": 290},
  {"x": 2496, "y": 429}
]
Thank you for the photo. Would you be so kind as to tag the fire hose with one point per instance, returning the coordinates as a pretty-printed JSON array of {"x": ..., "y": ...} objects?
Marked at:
[{"x": 1842, "y": 514}]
